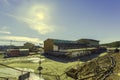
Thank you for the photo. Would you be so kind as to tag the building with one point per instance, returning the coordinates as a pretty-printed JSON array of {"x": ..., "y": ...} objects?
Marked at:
[
  {"x": 66, "y": 48},
  {"x": 16, "y": 52},
  {"x": 89, "y": 42},
  {"x": 51, "y": 45}
]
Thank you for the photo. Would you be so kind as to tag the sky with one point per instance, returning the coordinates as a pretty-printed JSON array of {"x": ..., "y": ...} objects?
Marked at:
[{"x": 36, "y": 20}]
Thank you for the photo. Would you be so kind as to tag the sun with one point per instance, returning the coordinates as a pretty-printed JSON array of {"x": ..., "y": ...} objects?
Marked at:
[{"x": 40, "y": 16}]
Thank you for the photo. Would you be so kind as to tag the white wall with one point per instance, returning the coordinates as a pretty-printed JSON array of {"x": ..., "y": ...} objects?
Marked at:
[
  {"x": 79, "y": 53},
  {"x": 55, "y": 48}
]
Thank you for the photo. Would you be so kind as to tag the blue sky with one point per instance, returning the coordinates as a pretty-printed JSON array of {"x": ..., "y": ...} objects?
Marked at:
[{"x": 37, "y": 20}]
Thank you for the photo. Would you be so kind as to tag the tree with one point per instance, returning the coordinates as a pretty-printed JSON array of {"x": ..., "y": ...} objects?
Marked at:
[
  {"x": 29, "y": 45},
  {"x": 113, "y": 44}
]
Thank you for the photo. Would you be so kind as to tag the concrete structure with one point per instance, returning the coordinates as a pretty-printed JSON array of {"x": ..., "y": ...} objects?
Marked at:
[
  {"x": 81, "y": 52},
  {"x": 51, "y": 45},
  {"x": 89, "y": 42},
  {"x": 16, "y": 52},
  {"x": 23, "y": 52},
  {"x": 66, "y": 48},
  {"x": 12, "y": 52}
]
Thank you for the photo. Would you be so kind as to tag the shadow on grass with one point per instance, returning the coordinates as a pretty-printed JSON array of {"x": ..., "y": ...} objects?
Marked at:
[{"x": 66, "y": 59}]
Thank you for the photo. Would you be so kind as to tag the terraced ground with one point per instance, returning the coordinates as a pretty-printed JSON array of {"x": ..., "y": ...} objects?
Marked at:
[{"x": 104, "y": 67}]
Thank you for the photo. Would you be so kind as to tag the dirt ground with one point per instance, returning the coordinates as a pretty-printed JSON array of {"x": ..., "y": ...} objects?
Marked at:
[{"x": 105, "y": 67}]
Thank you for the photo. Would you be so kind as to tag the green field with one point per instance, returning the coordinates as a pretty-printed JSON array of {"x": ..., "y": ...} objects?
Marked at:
[{"x": 51, "y": 68}]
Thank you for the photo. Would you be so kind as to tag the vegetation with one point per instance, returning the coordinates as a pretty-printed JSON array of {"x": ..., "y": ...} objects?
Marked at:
[
  {"x": 29, "y": 45},
  {"x": 113, "y": 44},
  {"x": 50, "y": 70},
  {"x": 104, "y": 67}
]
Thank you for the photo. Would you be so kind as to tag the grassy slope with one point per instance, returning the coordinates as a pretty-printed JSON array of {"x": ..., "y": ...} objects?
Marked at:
[
  {"x": 57, "y": 68},
  {"x": 50, "y": 67}
]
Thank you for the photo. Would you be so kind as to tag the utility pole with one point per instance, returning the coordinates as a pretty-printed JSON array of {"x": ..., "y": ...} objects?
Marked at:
[{"x": 10, "y": 44}]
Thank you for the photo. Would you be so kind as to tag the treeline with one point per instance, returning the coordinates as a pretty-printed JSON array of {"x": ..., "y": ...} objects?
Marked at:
[
  {"x": 27, "y": 45},
  {"x": 113, "y": 44}
]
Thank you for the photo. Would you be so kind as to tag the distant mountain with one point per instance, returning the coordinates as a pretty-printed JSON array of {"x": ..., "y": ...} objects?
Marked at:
[{"x": 112, "y": 44}]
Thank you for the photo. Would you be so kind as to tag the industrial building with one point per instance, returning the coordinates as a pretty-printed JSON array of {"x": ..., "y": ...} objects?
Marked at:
[
  {"x": 51, "y": 45},
  {"x": 89, "y": 42},
  {"x": 66, "y": 48}
]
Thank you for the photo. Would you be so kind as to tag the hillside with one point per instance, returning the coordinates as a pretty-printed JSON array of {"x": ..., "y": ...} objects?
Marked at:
[
  {"x": 102, "y": 68},
  {"x": 112, "y": 44}
]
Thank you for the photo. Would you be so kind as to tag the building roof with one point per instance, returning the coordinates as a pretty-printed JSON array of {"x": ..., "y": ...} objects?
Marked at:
[
  {"x": 62, "y": 41},
  {"x": 88, "y": 40},
  {"x": 57, "y": 41}
]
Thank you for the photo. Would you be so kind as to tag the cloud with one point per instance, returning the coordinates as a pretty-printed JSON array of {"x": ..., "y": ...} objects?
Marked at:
[
  {"x": 41, "y": 27},
  {"x": 4, "y": 43},
  {"x": 5, "y": 32},
  {"x": 36, "y": 17},
  {"x": 21, "y": 39}
]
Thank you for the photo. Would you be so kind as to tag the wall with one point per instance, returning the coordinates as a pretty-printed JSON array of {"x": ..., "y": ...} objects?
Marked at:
[
  {"x": 79, "y": 53},
  {"x": 48, "y": 45},
  {"x": 55, "y": 48}
]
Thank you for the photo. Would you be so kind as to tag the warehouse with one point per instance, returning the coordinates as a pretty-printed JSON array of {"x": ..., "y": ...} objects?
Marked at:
[
  {"x": 51, "y": 45},
  {"x": 89, "y": 42},
  {"x": 67, "y": 48}
]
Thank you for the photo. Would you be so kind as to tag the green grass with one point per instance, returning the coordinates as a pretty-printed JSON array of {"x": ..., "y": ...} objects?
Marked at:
[
  {"x": 50, "y": 67},
  {"x": 1, "y": 56},
  {"x": 57, "y": 68}
]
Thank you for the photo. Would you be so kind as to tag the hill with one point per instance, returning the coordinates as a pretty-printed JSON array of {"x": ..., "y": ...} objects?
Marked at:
[
  {"x": 112, "y": 44},
  {"x": 102, "y": 68}
]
